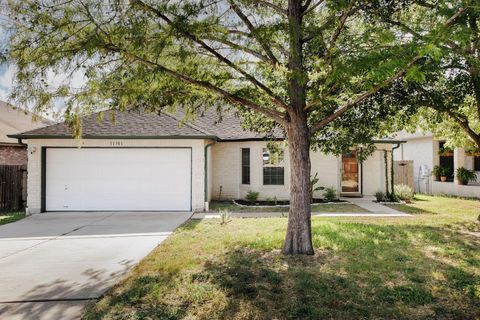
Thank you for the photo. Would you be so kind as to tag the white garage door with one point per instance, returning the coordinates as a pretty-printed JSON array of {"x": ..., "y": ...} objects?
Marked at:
[{"x": 90, "y": 179}]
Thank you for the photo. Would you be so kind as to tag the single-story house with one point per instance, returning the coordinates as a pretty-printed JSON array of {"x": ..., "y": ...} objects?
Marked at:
[
  {"x": 147, "y": 161},
  {"x": 14, "y": 120},
  {"x": 426, "y": 152}
]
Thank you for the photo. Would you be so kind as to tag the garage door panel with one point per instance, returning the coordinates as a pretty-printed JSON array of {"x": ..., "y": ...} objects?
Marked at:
[{"x": 118, "y": 179}]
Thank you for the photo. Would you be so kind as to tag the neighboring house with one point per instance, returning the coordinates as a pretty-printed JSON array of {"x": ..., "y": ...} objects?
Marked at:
[
  {"x": 424, "y": 150},
  {"x": 14, "y": 120},
  {"x": 149, "y": 162}
]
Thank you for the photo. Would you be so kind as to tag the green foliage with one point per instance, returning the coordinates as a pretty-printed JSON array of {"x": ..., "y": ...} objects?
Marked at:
[
  {"x": 445, "y": 151},
  {"x": 195, "y": 55},
  {"x": 403, "y": 192},
  {"x": 252, "y": 196},
  {"x": 276, "y": 152},
  {"x": 313, "y": 184},
  {"x": 445, "y": 88},
  {"x": 439, "y": 171},
  {"x": 465, "y": 175},
  {"x": 330, "y": 194},
  {"x": 380, "y": 196}
]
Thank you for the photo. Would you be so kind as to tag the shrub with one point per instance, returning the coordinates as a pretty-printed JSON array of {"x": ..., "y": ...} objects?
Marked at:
[
  {"x": 464, "y": 176},
  {"x": 380, "y": 196},
  {"x": 330, "y": 194},
  {"x": 313, "y": 185},
  {"x": 439, "y": 171},
  {"x": 403, "y": 192},
  {"x": 252, "y": 196}
]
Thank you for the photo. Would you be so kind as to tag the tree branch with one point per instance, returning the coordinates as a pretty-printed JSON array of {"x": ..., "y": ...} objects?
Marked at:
[
  {"x": 253, "y": 31},
  {"x": 239, "y": 47},
  {"x": 362, "y": 97},
  {"x": 273, "y": 114},
  {"x": 343, "y": 19},
  {"x": 279, "y": 102},
  {"x": 463, "y": 122},
  {"x": 307, "y": 10},
  {"x": 272, "y": 6}
]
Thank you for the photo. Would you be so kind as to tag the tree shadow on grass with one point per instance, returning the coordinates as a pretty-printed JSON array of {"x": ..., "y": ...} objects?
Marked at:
[
  {"x": 360, "y": 271},
  {"x": 367, "y": 276}
]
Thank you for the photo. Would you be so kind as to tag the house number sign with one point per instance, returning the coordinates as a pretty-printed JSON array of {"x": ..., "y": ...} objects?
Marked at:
[{"x": 116, "y": 143}]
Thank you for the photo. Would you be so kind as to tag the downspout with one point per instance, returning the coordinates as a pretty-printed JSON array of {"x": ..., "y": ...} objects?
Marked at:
[
  {"x": 205, "y": 182},
  {"x": 392, "y": 169}
]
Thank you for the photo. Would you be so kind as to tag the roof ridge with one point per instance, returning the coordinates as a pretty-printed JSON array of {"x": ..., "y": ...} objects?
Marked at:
[{"x": 191, "y": 125}]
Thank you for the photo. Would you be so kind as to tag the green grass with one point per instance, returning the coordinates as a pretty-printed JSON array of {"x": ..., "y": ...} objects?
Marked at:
[
  {"x": 421, "y": 267},
  {"x": 9, "y": 216},
  {"x": 322, "y": 207}
]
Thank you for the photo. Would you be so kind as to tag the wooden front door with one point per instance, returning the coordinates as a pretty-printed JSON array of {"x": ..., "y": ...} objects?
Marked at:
[{"x": 350, "y": 173}]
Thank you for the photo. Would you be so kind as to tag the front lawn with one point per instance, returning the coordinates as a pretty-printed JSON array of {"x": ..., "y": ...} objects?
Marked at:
[
  {"x": 321, "y": 207},
  {"x": 9, "y": 216},
  {"x": 421, "y": 267}
]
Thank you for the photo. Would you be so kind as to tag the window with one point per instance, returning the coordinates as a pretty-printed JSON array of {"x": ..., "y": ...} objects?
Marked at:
[
  {"x": 273, "y": 176},
  {"x": 476, "y": 163},
  {"x": 245, "y": 165},
  {"x": 446, "y": 159},
  {"x": 273, "y": 169}
]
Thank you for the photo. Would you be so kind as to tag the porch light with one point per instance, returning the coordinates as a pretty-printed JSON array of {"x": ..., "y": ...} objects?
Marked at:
[{"x": 266, "y": 156}]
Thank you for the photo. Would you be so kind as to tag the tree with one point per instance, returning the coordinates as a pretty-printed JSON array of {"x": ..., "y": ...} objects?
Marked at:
[
  {"x": 303, "y": 65},
  {"x": 447, "y": 87}
]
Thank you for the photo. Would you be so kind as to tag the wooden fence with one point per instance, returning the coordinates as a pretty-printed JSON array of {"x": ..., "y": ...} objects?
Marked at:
[
  {"x": 403, "y": 173},
  {"x": 13, "y": 183}
]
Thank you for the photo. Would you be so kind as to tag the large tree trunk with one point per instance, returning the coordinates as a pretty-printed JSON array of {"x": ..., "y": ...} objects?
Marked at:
[{"x": 299, "y": 236}]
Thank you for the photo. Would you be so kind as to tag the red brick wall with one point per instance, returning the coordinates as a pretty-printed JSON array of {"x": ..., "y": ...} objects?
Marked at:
[{"x": 13, "y": 155}]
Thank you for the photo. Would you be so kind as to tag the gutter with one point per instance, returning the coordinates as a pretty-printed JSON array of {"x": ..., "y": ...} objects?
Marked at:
[{"x": 205, "y": 182}]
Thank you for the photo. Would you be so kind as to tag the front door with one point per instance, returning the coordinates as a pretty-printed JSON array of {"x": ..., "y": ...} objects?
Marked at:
[{"x": 350, "y": 173}]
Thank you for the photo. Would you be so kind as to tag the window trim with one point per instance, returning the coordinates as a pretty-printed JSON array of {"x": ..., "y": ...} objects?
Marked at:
[{"x": 245, "y": 166}]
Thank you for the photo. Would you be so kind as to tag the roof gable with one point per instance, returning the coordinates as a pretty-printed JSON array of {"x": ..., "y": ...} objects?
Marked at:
[{"x": 15, "y": 120}]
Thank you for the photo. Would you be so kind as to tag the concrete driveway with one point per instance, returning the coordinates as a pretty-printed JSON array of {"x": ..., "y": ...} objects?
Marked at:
[{"x": 52, "y": 264}]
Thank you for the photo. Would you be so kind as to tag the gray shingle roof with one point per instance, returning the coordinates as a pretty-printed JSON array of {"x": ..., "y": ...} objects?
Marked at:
[{"x": 138, "y": 124}]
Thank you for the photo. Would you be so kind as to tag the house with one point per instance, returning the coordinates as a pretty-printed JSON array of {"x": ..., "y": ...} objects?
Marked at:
[
  {"x": 14, "y": 120},
  {"x": 426, "y": 152},
  {"x": 147, "y": 161}
]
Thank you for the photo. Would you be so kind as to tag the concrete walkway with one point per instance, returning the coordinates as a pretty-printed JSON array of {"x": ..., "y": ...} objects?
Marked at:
[
  {"x": 52, "y": 264},
  {"x": 368, "y": 203}
]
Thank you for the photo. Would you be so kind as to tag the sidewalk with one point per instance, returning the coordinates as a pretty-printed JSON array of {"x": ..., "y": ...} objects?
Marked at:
[
  {"x": 375, "y": 210},
  {"x": 368, "y": 204}
]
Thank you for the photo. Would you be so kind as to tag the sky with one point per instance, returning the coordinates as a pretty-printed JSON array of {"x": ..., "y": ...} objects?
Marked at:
[
  {"x": 7, "y": 74},
  {"x": 6, "y": 70},
  {"x": 6, "y": 80}
]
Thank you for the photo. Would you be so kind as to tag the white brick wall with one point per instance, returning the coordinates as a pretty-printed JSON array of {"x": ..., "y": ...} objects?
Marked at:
[
  {"x": 224, "y": 168},
  {"x": 34, "y": 162},
  {"x": 226, "y": 171}
]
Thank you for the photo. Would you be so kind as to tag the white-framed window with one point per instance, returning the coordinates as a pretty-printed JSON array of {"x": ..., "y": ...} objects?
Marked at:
[{"x": 273, "y": 166}]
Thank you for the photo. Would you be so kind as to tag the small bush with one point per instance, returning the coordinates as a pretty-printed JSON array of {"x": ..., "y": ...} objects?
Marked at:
[
  {"x": 330, "y": 194},
  {"x": 403, "y": 192},
  {"x": 380, "y": 196},
  {"x": 252, "y": 196},
  {"x": 464, "y": 176}
]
